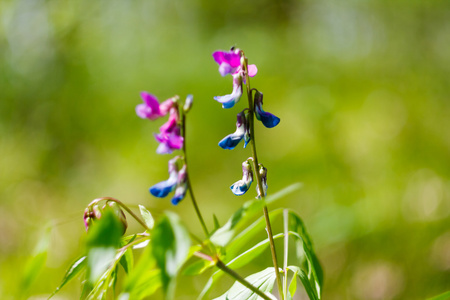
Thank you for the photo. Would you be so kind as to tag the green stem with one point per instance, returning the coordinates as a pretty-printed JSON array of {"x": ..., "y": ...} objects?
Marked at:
[
  {"x": 241, "y": 280},
  {"x": 251, "y": 122},
  {"x": 191, "y": 193},
  {"x": 286, "y": 251},
  {"x": 124, "y": 207}
]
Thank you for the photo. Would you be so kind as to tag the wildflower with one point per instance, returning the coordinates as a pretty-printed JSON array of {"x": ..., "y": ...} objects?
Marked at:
[
  {"x": 240, "y": 187},
  {"x": 162, "y": 189},
  {"x": 151, "y": 108},
  {"x": 94, "y": 213},
  {"x": 269, "y": 120},
  {"x": 181, "y": 189},
  {"x": 230, "y": 63},
  {"x": 177, "y": 181},
  {"x": 231, "y": 140},
  {"x": 263, "y": 175},
  {"x": 169, "y": 136}
]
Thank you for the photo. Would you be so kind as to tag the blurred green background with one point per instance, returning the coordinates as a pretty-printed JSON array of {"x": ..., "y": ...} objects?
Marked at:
[{"x": 362, "y": 89}]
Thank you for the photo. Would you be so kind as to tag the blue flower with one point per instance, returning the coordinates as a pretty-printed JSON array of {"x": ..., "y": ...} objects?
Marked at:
[
  {"x": 269, "y": 120},
  {"x": 240, "y": 187},
  {"x": 182, "y": 186},
  {"x": 263, "y": 174},
  {"x": 231, "y": 140},
  {"x": 228, "y": 101},
  {"x": 162, "y": 189}
]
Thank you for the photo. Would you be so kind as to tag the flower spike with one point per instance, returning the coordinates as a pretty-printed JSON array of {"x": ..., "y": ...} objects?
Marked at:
[
  {"x": 269, "y": 120},
  {"x": 162, "y": 189},
  {"x": 230, "y": 141},
  {"x": 240, "y": 187}
]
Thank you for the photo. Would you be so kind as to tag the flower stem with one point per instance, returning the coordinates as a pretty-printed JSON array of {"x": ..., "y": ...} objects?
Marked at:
[
  {"x": 286, "y": 250},
  {"x": 251, "y": 119},
  {"x": 124, "y": 207},
  {"x": 191, "y": 193}
]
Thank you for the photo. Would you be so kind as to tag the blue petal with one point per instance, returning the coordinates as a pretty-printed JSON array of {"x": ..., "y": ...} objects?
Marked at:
[
  {"x": 269, "y": 120},
  {"x": 163, "y": 188},
  {"x": 175, "y": 200},
  {"x": 228, "y": 101},
  {"x": 239, "y": 188},
  {"x": 230, "y": 141}
]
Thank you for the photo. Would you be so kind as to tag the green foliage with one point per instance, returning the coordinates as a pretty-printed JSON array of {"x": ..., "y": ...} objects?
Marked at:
[
  {"x": 443, "y": 296},
  {"x": 170, "y": 247},
  {"x": 72, "y": 272}
]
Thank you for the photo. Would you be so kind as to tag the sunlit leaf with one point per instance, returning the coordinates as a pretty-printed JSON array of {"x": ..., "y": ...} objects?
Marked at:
[
  {"x": 144, "y": 280},
  {"x": 127, "y": 260},
  {"x": 263, "y": 280},
  {"x": 198, "y": 267},
  {"x": 170, "y": 247},
  {"x": 444, "y": 296},
  {"x": 305, "y": 281},
  {"x": 148, "y": 218},
  {"x": 36, "y": 262},
  {"x": 73, "y": 271},
  {"x": 248, "y": 210},
  {"x": 293, "y": 284}
]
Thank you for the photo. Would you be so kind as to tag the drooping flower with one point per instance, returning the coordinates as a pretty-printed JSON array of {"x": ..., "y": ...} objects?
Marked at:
[
  {"x": 163, "y": 188},
  {"x": 263, "y": 174},
  {"x": 151, "y": 108},
  {"x": 182, "y": 186},
  {"x": 240, "y": 187},
  {"x": 230, "y": 62},
  {"x": 242, "y": 132},
  {"x": 177, "y": 181},
  {"x": 94, "y": 213},
  {"x": 169, "y": 136},
  {"x": 269, "y": 120}
]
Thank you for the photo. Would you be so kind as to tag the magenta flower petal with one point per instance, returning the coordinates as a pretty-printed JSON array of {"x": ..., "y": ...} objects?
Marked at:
[{"x": 252, "y": 70}]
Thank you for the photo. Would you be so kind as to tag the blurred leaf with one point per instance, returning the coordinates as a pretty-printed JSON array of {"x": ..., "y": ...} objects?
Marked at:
[
  {"x": 263, "y": 280},
  {"x": 36, "y": 262},
  {"x": 198, "y": 267},
  {"x": 305, "y": 249},
  {"x": 224, "y": 234},
  {"x": 127, "y": 260},
  {"x": 102, "y": 241},
  {"x": 216, "y": 222},
  {"x": 305, "y": 281},
  {"x": 144, "y": 280},
  {"x": 170, "y": 246},
  {"x": 148, "y": 218},
  {"x": 443, "y": 296},
  {"x": 73, "y": 271},
  {"x": 293, "y": 284}
]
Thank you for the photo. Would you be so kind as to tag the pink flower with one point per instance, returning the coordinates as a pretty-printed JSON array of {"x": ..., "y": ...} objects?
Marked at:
[
  {"x": 169, "y": 136},
  {"x": 151, "y": 108}
]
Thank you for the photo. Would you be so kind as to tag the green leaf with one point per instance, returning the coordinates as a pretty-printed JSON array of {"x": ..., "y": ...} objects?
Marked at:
[
  {"x": 305, "y": 250},
  {"x": 248, "y": 210},
  {"x": 293, "y": 284},
  {"x": 127, "y": 260},
  {"x": 305, "y": 281},
  {"x": 148, "y": 218},
  {"x": 102, "y": 241},
  {"x": 443, "y": 296},
  {"x": 36, "y": 262},
  {"x": 198, "y": 267},
  {"x": 216, "y": 222},
  {"x": 73, "y": 271},
  {"x": 144, "y": 280},
  {"x": 170, "y": 247},
  {"x": 263, "y": 280}
]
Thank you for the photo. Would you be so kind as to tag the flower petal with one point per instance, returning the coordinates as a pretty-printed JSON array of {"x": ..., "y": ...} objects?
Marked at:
[
  {"x": 269, "y": 120},
  {"x": 163, "y": 188},
  {"x": 252, "y": 70},
  {"x": 228, "y": 101}
]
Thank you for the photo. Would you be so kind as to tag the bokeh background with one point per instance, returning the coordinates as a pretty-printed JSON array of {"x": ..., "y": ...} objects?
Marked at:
[{"x": 362, "y": 89}]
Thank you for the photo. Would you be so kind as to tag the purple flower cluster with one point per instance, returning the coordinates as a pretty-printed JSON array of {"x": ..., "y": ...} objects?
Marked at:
[{"x": 169, "y": 139}]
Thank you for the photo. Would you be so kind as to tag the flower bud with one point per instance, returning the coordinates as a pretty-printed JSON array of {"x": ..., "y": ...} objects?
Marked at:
[
  {"x": 263, "y": 174},
  {"x": 240, "y": 187},
  {"x": 94, "y": 213},
  {"x": 188, "y": 103}
]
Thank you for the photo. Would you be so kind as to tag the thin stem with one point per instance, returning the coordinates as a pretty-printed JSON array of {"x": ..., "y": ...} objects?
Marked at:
[
  {"x": 286, "y": 250},
  {"x": 241, "y": 280},
  {"x": 251, "y": 122},
  {"x": 191, "y": 193},
  {"x": 124, "y": 207}
]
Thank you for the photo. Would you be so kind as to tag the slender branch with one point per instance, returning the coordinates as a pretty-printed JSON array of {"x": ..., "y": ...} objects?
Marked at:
[
  {"x": 251, "y": 122},
  {"x": 286, "y": 250},
  {"x": 124, "y": 207},
  {"x": 191, "y": 193},
  {"x": 241, "y": 280}
]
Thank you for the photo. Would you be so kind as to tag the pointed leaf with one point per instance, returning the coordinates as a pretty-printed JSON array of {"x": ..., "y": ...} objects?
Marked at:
[
  {"x": 148, "y": 218},
  {"x": 73, "y": 271},
  {"x": 170, "y": 247},
  {"x": 305, "y": 281}
]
